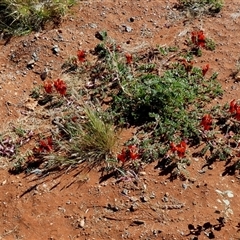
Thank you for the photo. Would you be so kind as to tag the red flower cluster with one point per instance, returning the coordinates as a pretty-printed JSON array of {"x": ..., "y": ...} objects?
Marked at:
[
  {"x": 205, "y": 69},
  {"x": 198, "y": 38},
  {"x": 48, "y": 86},
  {"x": 81, "y": 55},
  {"x": 206, "y": 121},
  {"x": 45, "y": 145},
  {"x": 130, "y": 153},
  {"x": 180, "y": 148},
  {"x": 235, "y": 109},
  {"x": 59, "y": 85},
  {"x": 128, "y": 58}
]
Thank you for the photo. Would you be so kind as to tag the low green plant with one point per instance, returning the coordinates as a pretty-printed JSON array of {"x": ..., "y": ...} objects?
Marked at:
[
  {"x": 210, "y": 44},
  {"x": 165, "y": 101},
  {"x": 220, "y": 139}
]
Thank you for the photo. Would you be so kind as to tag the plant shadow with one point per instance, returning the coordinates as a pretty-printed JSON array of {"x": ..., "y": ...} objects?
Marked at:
[{"x": 207, "y": 228}]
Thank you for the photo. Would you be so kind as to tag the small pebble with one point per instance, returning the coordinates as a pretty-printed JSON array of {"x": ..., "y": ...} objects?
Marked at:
[
  {"x": 125, "y": 191},
  {"x": 133, "y": 207},
  {"x": 237, "y": 77},
  {"x": 131, "y": 19},
  {"x": 165, "y": 199},
  {"x": 128, "y": 29},
  {"x": 142, "y": 173},
  {"x": 144, "y": 199},
  {"x": 82, "y": 223},
  {"x": 93, "y": 25},
  {"x": 55, "y": 49},
  {"x": 30, "y": 64}
]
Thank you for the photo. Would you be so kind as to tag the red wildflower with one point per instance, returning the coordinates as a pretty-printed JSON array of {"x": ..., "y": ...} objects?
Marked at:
[
  {"x": 232, "y": 107},
  {"x": 130, "y": 153},
  {"x": 173, "y": 147},
  {"x": 198, "y": 38},
  {"x": 205, "y": 69},
  {"x": 201, "y": 39},
  {"x": 235, "y": 109},
  {"x": 60, "y": 86},
  {"x": 45, "y": 145},
  {"x": 237, "y": 116},
  {"x": 48, "y": 86},
  {"x": 128, "y": 58},
  {"x": 206, "y": 122},
  {"x": 81, "y": 55},
  {"x": 180, "y": 148},
  {"x": 133, "y": 152},
  {"x": 122, "y": 157}
]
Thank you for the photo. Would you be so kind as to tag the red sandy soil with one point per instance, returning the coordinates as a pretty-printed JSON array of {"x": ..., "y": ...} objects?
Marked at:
[{"x": 74, "y": 205}]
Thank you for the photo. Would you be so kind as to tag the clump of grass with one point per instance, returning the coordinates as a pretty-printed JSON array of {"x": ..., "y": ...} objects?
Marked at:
[
  {"x": 94, "y": 139},
  {"x": 22, "y": 16}
]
